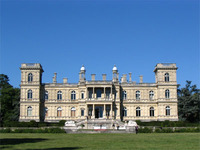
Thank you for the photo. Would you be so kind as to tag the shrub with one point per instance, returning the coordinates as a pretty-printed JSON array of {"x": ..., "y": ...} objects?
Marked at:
[
  {"x": 145, "y": 130},
  {"x": 56, "y": 130},
  {"x": 8, "y": 130},
  {"x": 33, "y": 123},
  {"x": 158, "y": 130},
  {"x": 167, "y": 130},
  {"x": 62, "y": 122}
]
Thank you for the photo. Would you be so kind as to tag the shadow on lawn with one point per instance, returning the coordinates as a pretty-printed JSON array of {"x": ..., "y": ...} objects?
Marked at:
[
  {"x": 62, "y": 148},
  {"x": 14, "y": 141},
  {"x": 6, "y": 143}
]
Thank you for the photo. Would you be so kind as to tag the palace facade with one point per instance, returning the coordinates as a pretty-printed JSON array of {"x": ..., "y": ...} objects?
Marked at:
[{"x": 98, "y": 99}]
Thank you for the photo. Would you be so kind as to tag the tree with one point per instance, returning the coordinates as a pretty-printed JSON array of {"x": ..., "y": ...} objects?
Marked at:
[
  {"x": 189, "y": 103},
  {"x": 9, "y": 100}
]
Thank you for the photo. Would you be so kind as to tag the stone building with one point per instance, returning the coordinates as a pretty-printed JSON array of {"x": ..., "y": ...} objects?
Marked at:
[{"x": 98, "y": 99}]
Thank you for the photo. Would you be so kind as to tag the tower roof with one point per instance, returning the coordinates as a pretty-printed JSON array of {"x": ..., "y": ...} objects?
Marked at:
[
  {"x": 82, "y": 68},
  {"x": 114, "y": 68}
]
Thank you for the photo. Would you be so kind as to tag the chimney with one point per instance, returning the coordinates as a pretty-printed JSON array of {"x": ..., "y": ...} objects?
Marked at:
[
  {"x": 64, "y": 80},
  {"x": 55, "y": 78},
  {"x": 93, "y": 77},
  {"x": 124, "y": 79},
  {"x": 130, "y": 79},
  {"x": 141, "y": 79},
  {"x": 104, "y": 77}
]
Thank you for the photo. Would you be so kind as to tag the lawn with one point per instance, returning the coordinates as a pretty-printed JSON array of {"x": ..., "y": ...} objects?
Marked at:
[{"x": 150, "y": 141}]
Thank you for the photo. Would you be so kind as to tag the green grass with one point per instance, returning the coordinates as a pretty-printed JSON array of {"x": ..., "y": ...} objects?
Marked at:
[{"x": 150, "y": 141}]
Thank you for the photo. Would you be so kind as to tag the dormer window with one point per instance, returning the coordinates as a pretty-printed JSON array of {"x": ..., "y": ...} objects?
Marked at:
[{"x": 166, "y": 77}]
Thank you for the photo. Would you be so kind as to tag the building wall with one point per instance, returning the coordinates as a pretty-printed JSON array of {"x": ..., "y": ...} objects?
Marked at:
[{"x": 52, "y": 109}]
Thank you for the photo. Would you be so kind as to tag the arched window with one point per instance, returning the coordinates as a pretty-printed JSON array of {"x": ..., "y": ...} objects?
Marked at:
[
  {"x": 167, "y": 111},
  {"x": 73, "y": 112},
  {"x": 29, "y": 94},
  {"x": 46, "y": 111},
  {"x": 59, "y": 112},
  {"x": 151, "y": 111},
  {"x": 30, "y": 77},
  {"x": 151, "y": 95},
  {"x": 124, "y": 95},
  {"x": 125, "y": 112},
  {"x": 46, "y": 95},
  {"x": 166, "y": 77},
  {"x": 167, "y": 94},
  {"x": 59, "y": 95},
  {"x": 137, "y": 95},
  {"x": 138, "y": 112},
  {"x": 73, "y": 95},
  {"x": 29, "y": 111}
]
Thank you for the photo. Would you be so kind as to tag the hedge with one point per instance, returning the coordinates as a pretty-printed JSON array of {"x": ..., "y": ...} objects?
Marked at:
[
  {"x": 167, "y": 123},
  {"x": 46, "y": 130},
  {"x": 33, "y": 123}
]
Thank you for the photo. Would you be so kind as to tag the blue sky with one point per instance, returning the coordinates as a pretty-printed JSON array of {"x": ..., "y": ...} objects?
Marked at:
[{"x": 135, "y": 35}]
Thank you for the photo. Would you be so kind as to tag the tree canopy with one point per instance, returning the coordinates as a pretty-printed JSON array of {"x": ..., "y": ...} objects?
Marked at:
[
  {"x": 189, "y": 103},
  {"x": 9, "y": 100}
]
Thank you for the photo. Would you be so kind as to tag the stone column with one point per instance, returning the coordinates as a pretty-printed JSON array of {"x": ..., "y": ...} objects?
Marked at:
[
  {"x": 104, "y": 93},
  {"x": 93, "y": 111},
  {"x": 111, "y": 109},
  {"x": 104, "y": 111},
  {"x": 93, "y": 93},
  {"x": 86, "y": 111},
  {"x": 111, "y": 95},
  {"x": 87, "y": 93}
]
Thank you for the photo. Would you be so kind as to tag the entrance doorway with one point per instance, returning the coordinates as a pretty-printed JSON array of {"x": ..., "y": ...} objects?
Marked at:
[{"x": 98, "y": 111}]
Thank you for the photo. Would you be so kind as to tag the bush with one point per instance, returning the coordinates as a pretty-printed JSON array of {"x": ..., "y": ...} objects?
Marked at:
[
  {"x": 167, "y": 130},
  {"x": 188, "y": 130},
  {"x": 56, "y": 130},
  {"x": 145, "y": 130},
  {"x": 62, "y": 122},
  {"x": 6, "y": 130}
]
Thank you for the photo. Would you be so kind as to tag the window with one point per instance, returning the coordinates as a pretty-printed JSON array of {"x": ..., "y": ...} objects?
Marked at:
[
  {"x": 138, "y": 111},
  {"x": 137, "y": 95},
  {"x": 73, "y": 112},
  {"x": 73, "y": 95},
  {"x": 59, "y": 95},
  {"x": 82, "y": 112},
  {"x": 29, "y": 94},
  {"x": 107, "y": 110},
  {"x": 107, "y": 94},
  {"x": 46, "y": 95},
  {"x": 124, "y": 95},
  {"x": 151, "y": 111},
  {"x": 151, "y": 95},
  {"x": 167, "y": 111},
  {"x": 167, "y": 94},
  {"x": 166, "y": 77},
  {"x": 82, "y": 95},
  {"x": 29, "y": 111},
  {"x": 98, "y": 93},
  {"x": 90, "y": 94},
  {"x": 46, "y": 111},
  {"x": 30, "y": 77},
  {"x": 125, "y": 112},
  {"x": 59, "y": 112}
]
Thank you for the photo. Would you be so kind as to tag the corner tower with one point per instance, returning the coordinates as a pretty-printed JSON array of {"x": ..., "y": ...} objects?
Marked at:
[
  {"x": 30, "y": 98},
  {"x": 165, "y": 74}
]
